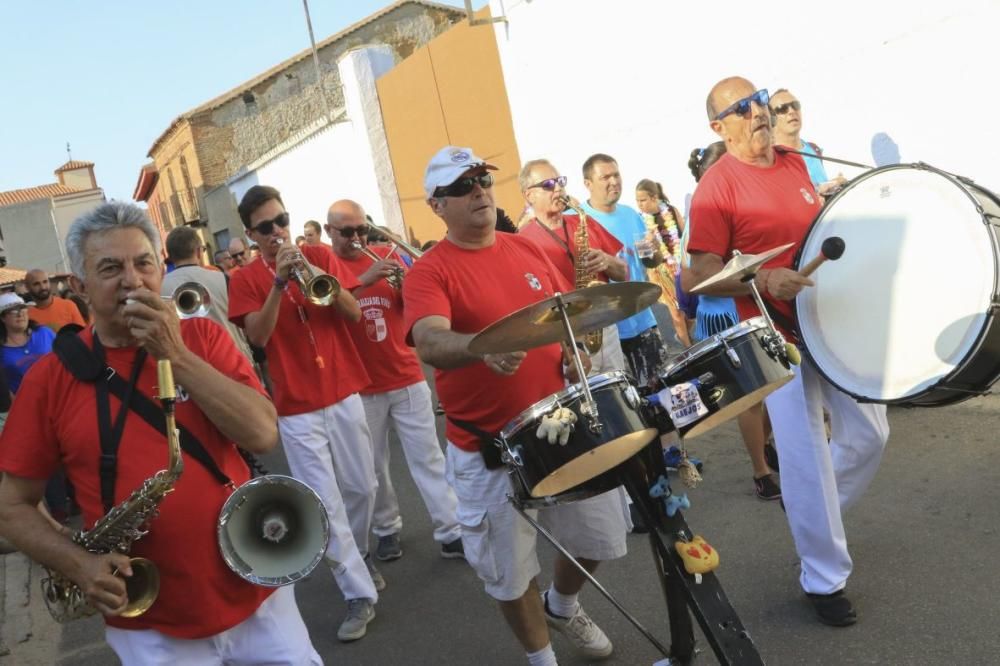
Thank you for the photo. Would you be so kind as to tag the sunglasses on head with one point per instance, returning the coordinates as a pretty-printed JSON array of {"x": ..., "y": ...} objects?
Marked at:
[
  {"x": 742, "y": 107},
  {"x": 463, "y": 186},
  {"x": 550, "y": 184},
  {"x": 782, "y": 109},
  {"x": 350, "y": 232},
  {"x": 266, "y": 228}
]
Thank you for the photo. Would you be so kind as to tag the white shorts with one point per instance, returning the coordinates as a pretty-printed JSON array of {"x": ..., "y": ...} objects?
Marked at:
[{"x": 500, "y": 545}]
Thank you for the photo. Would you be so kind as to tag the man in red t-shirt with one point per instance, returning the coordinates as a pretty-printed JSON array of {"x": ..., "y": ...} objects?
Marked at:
[
  {"x": 469, "y": 280},
  {"x": 316, "y": 375},
  {"x": 204, "y": 612},
  {"x": 398, "y": 395},
  {"x": 555, "y": 231},
  {"x": 754, "y": 199}
]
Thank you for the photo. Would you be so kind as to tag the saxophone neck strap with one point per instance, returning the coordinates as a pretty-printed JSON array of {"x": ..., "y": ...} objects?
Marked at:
[
  {"x": 563, "y": 243},
  {"x": 90, "y": 366}
]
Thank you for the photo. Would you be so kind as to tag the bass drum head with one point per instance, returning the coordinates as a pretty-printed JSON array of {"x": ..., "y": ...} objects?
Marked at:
[{"x": 909, "y": 298}]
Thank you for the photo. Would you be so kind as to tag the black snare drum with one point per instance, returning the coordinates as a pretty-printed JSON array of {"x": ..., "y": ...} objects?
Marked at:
[
  {"x": 543, "y": 470},
  {"x": 731, "y": 372}
]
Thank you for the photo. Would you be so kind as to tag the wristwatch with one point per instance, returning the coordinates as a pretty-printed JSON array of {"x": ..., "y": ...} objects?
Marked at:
[{"x": 280, "y": 282}]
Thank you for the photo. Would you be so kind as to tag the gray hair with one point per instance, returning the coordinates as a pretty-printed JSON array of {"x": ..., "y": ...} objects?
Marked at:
[
  {"x": 524, "y": 177},
  {"x": 109, "y": 215}
]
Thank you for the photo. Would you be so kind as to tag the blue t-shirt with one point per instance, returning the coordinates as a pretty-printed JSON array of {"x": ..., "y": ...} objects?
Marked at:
[
  {"x": 17, "y": 360},
  {"x": 624, "y": 223},
  {"x": 817, "y": 172}
]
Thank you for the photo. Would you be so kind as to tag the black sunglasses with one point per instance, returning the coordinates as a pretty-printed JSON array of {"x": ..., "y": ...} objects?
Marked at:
[
  {"x": 266, "y": 228},
  {"x": 782, "y": 109},
  {"x": 550, "y": 184},
  {"x": 236, "y": 255},
  {"x": 742, "y": 107},
  {"x": 463, "y": 186},
  {"x": 349, "y": 232}
]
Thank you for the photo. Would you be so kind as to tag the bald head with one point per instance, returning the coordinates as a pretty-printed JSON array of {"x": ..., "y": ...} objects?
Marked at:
[
  {"x": 238, "y": 251},
  {"x": 346, "y": 216},
  {"x": 345, "y": 208},
  {"x": 36, "y": 281},
  {"x": 723, "y": 91}
]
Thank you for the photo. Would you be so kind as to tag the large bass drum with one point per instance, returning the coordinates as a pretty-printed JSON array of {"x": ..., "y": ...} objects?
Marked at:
[{"x": 906, "y": 316}]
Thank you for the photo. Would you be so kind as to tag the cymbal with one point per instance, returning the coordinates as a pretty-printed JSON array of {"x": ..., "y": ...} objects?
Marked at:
[
  {"x": 741, "y": 265},
  {"x": 588, "y": 309}
]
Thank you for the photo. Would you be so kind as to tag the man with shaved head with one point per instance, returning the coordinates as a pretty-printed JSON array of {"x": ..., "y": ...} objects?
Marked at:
[
  {"x": 238, "y": 253},
  {"x": 398, "y": 395},
  {"x": 49, "y": 310},
  {"x": 752, "y": 200}
]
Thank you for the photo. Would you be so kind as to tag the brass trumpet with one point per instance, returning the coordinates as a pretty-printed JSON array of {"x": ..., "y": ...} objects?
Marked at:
[
  {"x": 395, "y": 279},
  {"x": 318, "y": 288},
  {"x": 191, "y": 299},
  {"x": 398, "y": 240}
]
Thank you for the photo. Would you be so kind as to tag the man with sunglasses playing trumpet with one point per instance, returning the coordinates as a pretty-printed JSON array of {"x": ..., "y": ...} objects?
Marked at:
[
  {"x": 398, "y": 395},
  {"x": 786, "y": 119},
  {"x": 472, "y": 278},
  {"x": 555, "y": 227},
  {"x": 317, "y": 374},
  {"x": 754, "y": 199}
]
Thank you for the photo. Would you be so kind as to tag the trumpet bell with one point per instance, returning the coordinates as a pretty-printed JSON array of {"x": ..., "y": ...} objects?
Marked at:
[
  {"x": 321, "y": 289},
  {"x": 273, "y": 530},
  {"x": 191, "y": 299}
]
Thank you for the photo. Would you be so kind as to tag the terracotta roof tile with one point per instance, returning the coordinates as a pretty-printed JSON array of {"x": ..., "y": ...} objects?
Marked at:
[
  {"x": 9, "y": 275},
  {"x": 73, "y": 164},
  {"x": 12, "y": 197}
]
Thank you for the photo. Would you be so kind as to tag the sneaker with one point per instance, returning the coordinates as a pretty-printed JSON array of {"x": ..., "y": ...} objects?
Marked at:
[
  {"x": 581, "y": 631},
  {"x": 771, "y": 455},
  {"x": 766, "y": 488},
  {"x": 388, "y": 548},
  {"x": 834, "y": 609},
  {"x": 359, "y": 613},
  {"x": 375, "y": 574},
  {"x": 453, "y": 550}
]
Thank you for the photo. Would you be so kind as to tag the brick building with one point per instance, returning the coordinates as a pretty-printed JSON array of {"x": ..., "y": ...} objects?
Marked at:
[{"x": 221, "y": 139}]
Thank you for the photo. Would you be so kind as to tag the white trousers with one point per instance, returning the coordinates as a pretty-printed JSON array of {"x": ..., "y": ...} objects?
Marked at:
[
  {"x": 274, "y": 635},
  {"x": 330, "y": 450},
  {"x": 820, "y": 480},
  {"x": 610, "y": 356},
  {"x": 410, "y": 412}
]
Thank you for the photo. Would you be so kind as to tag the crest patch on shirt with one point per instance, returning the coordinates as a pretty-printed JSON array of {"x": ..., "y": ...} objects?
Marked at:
[
  {"x": 533, "y": 281},
  {"x": 807, "y": 196}
]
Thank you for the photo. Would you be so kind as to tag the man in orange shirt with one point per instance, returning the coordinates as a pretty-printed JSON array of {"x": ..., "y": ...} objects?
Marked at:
[{"x": 49, "y": 310}]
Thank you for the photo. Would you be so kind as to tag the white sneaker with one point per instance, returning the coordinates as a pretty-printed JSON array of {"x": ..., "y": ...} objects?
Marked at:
[
  {"x": 359, "y": 613},
  {"x": 586, "y": 637}
]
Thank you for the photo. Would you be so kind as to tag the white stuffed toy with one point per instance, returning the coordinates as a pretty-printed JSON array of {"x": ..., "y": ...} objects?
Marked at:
[{"x": 557, "y": 426}]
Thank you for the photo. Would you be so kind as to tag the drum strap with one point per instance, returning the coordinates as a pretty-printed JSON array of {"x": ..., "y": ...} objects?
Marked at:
[{"x": 489, "y": 445}]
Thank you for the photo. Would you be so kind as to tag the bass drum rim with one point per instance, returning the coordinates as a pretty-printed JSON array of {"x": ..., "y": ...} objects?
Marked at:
[{"x": 949, "y": 388}]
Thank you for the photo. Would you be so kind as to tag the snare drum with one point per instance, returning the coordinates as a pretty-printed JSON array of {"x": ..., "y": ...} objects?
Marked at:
[
  {"x": 730, "y": 370},
  {"x": 907, "y": 315},
  {"x": 542, "y": 470}
]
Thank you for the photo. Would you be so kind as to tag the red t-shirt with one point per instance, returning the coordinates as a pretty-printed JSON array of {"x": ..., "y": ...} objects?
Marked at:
[
  {"x": 597, "y": 237},
  {"x": 379, "y": 336},
  {"x": 300, "y": 384},
  {"x": 54, "y": 422},
  {"x": 754, "y": 209},
  {"x": 473, "y": 289}
]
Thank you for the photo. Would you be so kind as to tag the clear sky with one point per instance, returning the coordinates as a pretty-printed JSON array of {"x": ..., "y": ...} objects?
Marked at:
[{"x": 110, "y": 76}]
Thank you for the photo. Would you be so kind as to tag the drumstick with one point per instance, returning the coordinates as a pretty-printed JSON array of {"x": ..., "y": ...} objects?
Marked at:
[{"x": 832, "y": 249}]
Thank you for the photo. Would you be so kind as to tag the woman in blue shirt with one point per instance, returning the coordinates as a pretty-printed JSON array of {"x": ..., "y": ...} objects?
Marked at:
[{"x": 24, "y": 341}]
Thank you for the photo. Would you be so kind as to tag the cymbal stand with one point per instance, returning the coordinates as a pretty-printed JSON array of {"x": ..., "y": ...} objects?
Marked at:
[
  {"x": 588, "y": 406},
  {"x": 774, "y": 342}
]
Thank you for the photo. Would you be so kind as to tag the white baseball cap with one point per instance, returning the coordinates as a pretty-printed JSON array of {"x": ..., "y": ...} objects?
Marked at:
[
  {"x": 447, "y": 166},
  {"x": 9, "y": 301}
]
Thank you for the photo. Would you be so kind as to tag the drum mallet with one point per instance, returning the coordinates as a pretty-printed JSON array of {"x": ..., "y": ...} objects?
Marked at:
[{"x": 832, "y": 249}]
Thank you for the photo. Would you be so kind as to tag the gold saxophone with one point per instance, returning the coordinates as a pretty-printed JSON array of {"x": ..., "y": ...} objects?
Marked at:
[
  {"x": 122, "y": 525},
  {"x": 581, "y": 241}
]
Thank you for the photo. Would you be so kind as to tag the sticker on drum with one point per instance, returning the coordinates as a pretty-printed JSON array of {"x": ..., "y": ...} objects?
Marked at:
[{"x": 683, "y": 403}]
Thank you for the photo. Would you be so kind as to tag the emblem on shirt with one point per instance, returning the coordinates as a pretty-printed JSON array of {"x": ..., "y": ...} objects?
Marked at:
[
  {"x": 533, "y": 281},
  {"x": 807, "y": 196},
  {"x": 375, "y": 326}
]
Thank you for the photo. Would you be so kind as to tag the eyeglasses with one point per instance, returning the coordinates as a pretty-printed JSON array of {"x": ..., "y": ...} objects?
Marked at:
[
  {"x": 742, "y": 107},
  {"x": 463, "y": 186},
  {"x": 550, "y": 184},
  {"x": 349, "y": 232},
  {"x": 266, "y": 228},
  {"x": 782, "y": 109}
]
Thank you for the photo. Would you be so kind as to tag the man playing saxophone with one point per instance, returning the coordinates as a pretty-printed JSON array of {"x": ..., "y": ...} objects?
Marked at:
[
  {"x": 575, "y": 249},
  {"x": 203, "y": 612}
]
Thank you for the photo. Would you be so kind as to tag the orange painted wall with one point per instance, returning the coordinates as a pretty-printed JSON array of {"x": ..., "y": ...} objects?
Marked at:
[{"x": 451, "y": 91}]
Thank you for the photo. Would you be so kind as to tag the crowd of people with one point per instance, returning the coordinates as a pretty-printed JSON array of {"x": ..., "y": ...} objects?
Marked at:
[{"x": 322, "y": 346}]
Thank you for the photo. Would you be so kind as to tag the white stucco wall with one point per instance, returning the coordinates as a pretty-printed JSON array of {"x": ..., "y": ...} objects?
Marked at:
[
  {"x": 630, "y": 77},
  {"x": 29, "y": 233},
  {"x": 346, "y": 160}
]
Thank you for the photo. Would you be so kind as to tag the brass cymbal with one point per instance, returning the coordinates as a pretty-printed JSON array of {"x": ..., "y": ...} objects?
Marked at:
[
  {"x": 741, "y": 265},
  {"x": 589, "y": 309}
]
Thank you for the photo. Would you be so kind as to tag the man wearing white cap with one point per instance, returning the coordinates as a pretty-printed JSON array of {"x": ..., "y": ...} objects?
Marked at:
[{"x": 469, "y": 280}]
